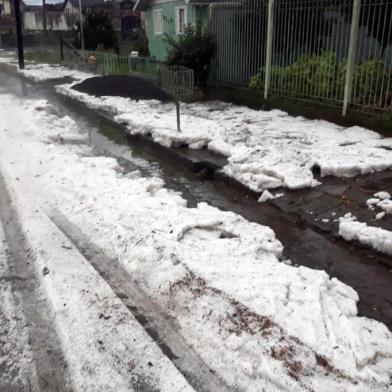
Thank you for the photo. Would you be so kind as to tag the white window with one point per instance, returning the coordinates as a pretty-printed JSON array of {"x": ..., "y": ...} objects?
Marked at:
[
  {"x": 158, "y": 22},
  {"x": 181, "y": 20}
]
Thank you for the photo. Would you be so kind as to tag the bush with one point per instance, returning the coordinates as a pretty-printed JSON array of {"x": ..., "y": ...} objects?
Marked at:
[
  {"x": 193, "y": 49},
  {"x": 372, "y": 82},
  {"x": 316, "y": 75},
  {"x": 323, "y": 76}
]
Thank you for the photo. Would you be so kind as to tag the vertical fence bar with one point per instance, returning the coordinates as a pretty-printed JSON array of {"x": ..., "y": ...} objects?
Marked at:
[
  {"x": 385, "y": 65},
  {"x": 61, "y": 48},
  {"x": 352, "y": 51},
  {"x": 268, "y": 57},
  {"x": 388, "y": 63}
]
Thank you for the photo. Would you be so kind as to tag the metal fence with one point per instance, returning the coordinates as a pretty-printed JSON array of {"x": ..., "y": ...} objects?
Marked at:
[
  {"x": 177, "y": 81},
  {"x": 240, "y": 34},
  {"x": 127, "y": 65},
  {"x": 372, "y": 80},
  {"x": 337, "y": 52},
  {"x": 105, "y": 63}
]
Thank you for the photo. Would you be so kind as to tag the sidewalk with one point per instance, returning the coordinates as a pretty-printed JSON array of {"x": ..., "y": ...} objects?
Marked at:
[{"x": 310, "y": 168}]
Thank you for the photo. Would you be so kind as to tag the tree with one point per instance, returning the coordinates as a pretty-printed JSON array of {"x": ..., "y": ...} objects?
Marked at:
[
  {"x": 98, "y": 30},
  {"x": 193, "y": 49}
]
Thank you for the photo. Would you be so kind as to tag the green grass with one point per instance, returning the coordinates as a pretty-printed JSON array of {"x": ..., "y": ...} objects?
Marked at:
[{"x": 43, "y": 56}]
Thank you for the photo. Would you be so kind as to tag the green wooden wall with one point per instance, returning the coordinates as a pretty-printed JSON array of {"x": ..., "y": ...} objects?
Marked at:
[{"x": 156, "y": 43}]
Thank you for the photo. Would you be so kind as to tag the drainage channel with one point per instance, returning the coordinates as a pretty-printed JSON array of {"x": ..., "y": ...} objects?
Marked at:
[{"x": 303, "y": 245}]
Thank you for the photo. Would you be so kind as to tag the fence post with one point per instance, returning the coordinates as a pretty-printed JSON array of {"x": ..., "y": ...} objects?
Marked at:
[
  {"x": 352, "y": 51},
  {"x": 61, "y": 48},
  {"x": 209, "y": 16},
  {"x": 268, "y": 56},
  {"x": 178, "y": 115}
]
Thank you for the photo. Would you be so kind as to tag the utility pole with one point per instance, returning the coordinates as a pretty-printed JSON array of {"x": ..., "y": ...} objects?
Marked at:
[
  {"x": 81, "y": 25},
  {"x": 19, "y": 36},
  {"x": 44, "y": 15}
]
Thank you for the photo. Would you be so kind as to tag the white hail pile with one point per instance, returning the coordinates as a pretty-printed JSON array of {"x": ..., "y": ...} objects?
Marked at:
[{"x": 256, "y": 321}]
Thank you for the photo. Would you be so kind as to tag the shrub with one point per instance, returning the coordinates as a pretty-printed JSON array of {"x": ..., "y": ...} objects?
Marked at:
[
  {"x": 372, "y": 82},
  {"x": 316, "y": 75},
  {"x": 322, "y": 75},
  {"x": 193, "y": 49}
]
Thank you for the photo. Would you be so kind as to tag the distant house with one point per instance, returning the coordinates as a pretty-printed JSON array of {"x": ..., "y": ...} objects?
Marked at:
[
  {"x": 5, "y": 7},
  {"x": 162, "y": 17},
  {"x": 59, "y": 17},
  {"x": 126, "y": 21},
  {"x": 7, "y": 21},
  {"x": 64, "y": 16},
  {"x": 72, "y": 6},
  {"x": 33, "y": 18}
]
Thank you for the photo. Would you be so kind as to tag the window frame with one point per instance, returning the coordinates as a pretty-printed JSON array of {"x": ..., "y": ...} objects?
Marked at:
[
  {"x": 177, "y": 18},
  {"x": 156, "y": 12}
]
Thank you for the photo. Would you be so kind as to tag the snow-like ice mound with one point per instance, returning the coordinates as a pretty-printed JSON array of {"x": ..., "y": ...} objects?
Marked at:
[
  {"x": 258, "y": 322},
  {"x": 265, "y": 149},
  {"x": 42, "y": 72},
  {"x": 375, "y": 237}
]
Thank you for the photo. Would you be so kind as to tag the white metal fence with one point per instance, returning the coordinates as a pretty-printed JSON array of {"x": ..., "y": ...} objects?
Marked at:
[
  {"x": 106, "y": 63},
  {"x": 332, "y": 51},
  {"x": 240, "y": 34}
]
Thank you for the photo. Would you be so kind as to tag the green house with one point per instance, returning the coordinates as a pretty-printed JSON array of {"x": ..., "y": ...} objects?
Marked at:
[{"x": 170, "y": 17}]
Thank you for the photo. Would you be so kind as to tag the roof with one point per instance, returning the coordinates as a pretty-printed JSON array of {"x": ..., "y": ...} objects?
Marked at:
[
  {"x": 142, "y": 5},
  {"x": 87, "y": 3},
  {"x": 48, "y": 7},
  {"x": 208, "y": 2}
]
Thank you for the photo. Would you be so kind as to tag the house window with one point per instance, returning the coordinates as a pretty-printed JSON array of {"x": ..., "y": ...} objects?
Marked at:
[
  {"x": 181, "y": 20},
  {"x": 158, "y": 22}
]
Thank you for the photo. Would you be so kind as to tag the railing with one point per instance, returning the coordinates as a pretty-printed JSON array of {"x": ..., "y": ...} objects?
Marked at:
[
  {"x": 105, "y": 63},
  {"x": 127, "y": 65},
  {"x": 372, "y": 78},
  {"x": 336, "y": 52}
]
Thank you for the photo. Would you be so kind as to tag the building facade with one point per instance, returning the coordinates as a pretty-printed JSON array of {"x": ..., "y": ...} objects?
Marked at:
[
  {"x": 5, "y": 7},
  {"x": 162, "y": 18}
]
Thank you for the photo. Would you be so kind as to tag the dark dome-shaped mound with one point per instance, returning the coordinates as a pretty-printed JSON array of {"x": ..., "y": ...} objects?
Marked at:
[{"x": 122, "y": 86}]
